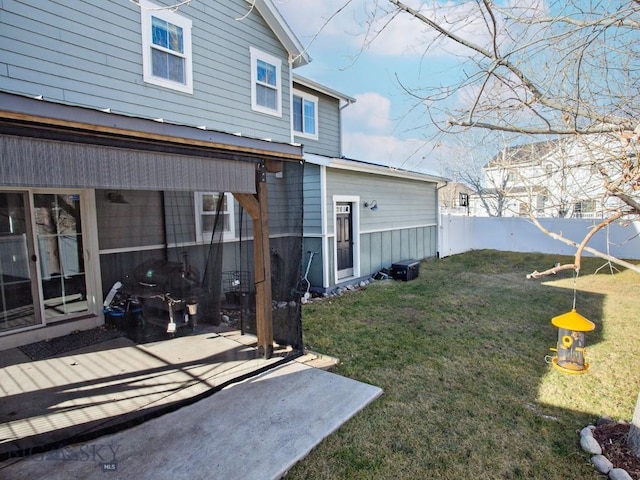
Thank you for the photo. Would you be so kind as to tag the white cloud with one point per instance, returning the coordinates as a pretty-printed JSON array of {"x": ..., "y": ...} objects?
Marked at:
[
  {"x": 407, "y": 35},
  {"x": 353, "y": 23},
  {"x": 401, "y": 34},
  {"x": 369, "y": 136},
  {"x": 371, "y": 111},
  {"x": 308, "y": 17},
  {"x": 391, "y": 151}
]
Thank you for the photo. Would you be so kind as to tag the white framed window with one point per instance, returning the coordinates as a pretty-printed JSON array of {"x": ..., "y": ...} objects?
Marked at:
[
  {"x": 206, "y": 210},
  {"x": 305, "y": 115},
  {"x": 266, "y": 83},
  {"x": 166, "y": 48}
]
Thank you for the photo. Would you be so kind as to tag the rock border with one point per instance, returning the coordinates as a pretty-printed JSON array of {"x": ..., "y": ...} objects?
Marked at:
[{"x": 601, "y": 463}]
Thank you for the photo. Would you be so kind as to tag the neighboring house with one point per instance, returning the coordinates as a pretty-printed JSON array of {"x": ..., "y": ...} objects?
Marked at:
[
  {"x": 120, "y": 122},
  {"x": 358, "y": 217},
  {"x": 453, "y": 198},
  {"x": 556, "y": 178}
]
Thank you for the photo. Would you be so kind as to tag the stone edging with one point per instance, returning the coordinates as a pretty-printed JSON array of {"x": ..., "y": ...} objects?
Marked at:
[{"x": 601, "y": 463}]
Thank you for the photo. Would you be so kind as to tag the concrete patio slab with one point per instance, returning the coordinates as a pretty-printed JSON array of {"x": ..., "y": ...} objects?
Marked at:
[
  {"x": 100, "y": 388},
  {"x": 256, "y": 429}
]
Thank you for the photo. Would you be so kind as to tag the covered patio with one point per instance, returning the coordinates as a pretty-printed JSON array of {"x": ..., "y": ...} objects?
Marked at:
[{"x": 79, "y": 395}]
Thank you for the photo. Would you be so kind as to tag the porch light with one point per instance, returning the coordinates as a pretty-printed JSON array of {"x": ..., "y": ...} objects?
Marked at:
[
  {"x": 570, "y": 351},
  {"x": 373, "y": 205}
]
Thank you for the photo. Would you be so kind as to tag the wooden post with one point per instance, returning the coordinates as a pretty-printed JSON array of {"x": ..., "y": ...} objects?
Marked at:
[{"x": 256, "y": 206}]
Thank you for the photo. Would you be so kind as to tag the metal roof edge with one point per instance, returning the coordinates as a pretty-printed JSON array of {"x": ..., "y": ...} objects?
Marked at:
[
  {"x": 21, "y": 107},
  {"x": 322, "y": 89},
  {"x": 363, "y": 167}
]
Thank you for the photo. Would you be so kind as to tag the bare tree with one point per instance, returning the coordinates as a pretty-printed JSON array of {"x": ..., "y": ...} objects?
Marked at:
[
  {"x": 468, "y": 165},
  {"x": 567, "y": 69}
]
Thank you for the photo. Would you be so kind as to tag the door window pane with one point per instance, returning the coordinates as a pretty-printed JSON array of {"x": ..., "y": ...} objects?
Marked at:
[
  {"x": 16, "y": 297},
  {"x": 60, "y": 247}
]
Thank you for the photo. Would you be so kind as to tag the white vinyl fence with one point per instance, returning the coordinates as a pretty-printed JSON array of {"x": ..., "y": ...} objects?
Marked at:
[{"x": 459, "y": 234}]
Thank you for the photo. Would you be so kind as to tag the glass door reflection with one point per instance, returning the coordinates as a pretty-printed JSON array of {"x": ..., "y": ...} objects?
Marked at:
[
  {"x": 16, "y": 268},
  {"x": 60, "y": 247}
]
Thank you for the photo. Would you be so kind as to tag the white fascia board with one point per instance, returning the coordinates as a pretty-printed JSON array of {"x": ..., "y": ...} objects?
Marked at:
[
  {"x": 322, "y": 89},
  {"x": 297, "y": 53},
  {"x": 353, "y": 166}
]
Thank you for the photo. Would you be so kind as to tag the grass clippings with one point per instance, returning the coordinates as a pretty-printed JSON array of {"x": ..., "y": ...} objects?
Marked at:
[{"x": 462, "y": 354}]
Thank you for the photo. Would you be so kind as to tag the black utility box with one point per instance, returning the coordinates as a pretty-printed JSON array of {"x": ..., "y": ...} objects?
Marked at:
[{"x": 405, "y": 270}]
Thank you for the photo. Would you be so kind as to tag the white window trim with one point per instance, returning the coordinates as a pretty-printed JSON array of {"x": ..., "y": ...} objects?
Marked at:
[
  {"x": 265, "y": 57},
  {"x": 355, "y": 235},
  {"x": 202, "y": 236},
  {"x": 310, "y": 98},
  {"x": 147, "y": 10}
]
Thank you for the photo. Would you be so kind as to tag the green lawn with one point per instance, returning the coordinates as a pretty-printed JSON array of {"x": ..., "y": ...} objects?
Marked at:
[{"x": 460, "y": 354}]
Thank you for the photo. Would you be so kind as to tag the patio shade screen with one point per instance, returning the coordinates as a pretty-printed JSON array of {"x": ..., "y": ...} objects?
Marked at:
[
  {"x": 221, "y": 269},
  {"x": 48, "y": 163}
]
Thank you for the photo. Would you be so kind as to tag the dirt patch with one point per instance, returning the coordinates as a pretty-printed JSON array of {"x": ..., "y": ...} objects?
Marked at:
[{"x": 612, "y": 437}]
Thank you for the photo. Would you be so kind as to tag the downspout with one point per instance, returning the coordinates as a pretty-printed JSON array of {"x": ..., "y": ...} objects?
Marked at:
[
  {"x": 342, "y": 107},
  {"x": 323, "y": 227},
  {"x": 438, "y": 216}
]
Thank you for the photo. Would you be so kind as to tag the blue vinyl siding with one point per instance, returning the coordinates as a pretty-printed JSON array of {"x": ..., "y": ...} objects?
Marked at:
[
  {"x": 401, "y": 202},
  {"x": 90, "y": 53},
  {"x": 329, "y": 139},
  {"x": 312, "y": 223},
  {"x": 403, "y": 227}
]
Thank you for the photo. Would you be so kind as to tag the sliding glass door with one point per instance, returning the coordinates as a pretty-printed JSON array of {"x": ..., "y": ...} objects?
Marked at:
[
  {"x": 17, "y": 264},
  {"x": 58, "y": 226},
  {"x": 42, "y": 265}
]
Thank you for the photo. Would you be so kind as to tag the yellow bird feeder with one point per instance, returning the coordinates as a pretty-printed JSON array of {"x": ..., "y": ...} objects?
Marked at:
[{"x": 570, "y": 350}]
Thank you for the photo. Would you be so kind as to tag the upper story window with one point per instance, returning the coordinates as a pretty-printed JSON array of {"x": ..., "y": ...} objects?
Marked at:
[
  {"x": 305, "y": 115},
  {"x": 207, "y": 211},
  {"x": 266, "y": 83},
  {"x": 166, "y": 48}
]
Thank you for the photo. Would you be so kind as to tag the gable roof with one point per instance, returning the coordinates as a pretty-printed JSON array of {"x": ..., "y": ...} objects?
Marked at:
[
  {"x": 322, "y": 89},
  {"x": 298, "y": 55}
]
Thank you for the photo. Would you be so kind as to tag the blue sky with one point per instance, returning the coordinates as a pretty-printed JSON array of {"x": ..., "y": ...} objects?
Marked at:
[
  {"x": 387, "y": 125},
  {"x": 382, "y": 126}
]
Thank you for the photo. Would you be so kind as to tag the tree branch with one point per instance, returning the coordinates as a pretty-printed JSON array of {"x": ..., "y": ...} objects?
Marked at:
[
  {"x": 580, "y": 248},
  {"x": 526, "y": 82}
]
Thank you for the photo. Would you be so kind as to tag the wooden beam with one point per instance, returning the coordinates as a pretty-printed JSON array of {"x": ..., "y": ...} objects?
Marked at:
[
  {"x": 274, "y": 166},
  {"x": 256, "y": 206},
  {"x": 144, "y": 136},
  {"x": 249, "y": 203}
]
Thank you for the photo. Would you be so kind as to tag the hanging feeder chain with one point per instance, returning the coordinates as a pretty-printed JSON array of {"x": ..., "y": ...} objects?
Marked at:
[{"x": 575, "y": 286}]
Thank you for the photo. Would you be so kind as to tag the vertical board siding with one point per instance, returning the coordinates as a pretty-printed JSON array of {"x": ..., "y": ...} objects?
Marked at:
[
  {"x": 315, "y": 272},
  {"x": 90, "y": 53},
  {"x": 381, "y": 249}
]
